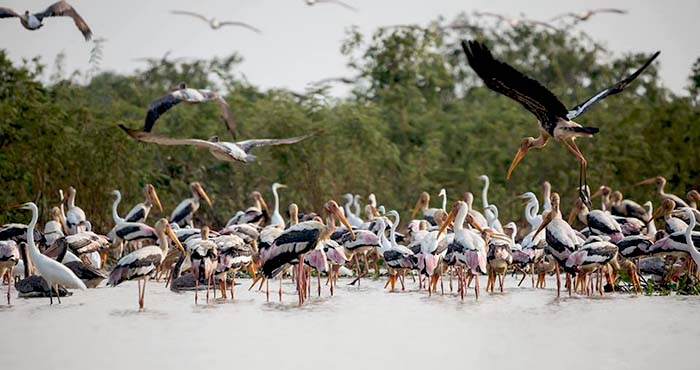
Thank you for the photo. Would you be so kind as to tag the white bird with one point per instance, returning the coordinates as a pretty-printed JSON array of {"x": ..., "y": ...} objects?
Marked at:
[
  {"x": 75, "y": 216},
  {"x": 276, "y": 218},
  {"x": 222, "y": 150},
  {"x": 352, "y": 218},
  {"x": 9, "y": 257},
  {"x": 55, "y": 273},
  {"x": 34, "y": 21},
  {"x": 183, "y": 214},
  {"x": 54, "y": 229},
  {"x": 215, "y": 23}
]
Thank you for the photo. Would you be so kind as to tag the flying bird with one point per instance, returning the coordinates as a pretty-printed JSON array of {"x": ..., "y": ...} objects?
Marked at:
[
  {"x": 226, "y": 151},
  {"x": 336, "y": 2},
  {"x": 35, "y": 21},
  {"x": 584, "y": 16},
  {"x": 554, "y": 119},
  {"x": 515, "y": 21},
  {"x": 214, "y": 23},
  {"x": 188, "y": 95}
]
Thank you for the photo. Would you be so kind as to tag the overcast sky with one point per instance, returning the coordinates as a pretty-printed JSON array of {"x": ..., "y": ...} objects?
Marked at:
[{"x": 301, "y": 44}]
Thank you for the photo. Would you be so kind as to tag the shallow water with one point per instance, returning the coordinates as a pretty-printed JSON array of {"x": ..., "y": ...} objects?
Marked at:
[{"x": 358, "y": 328}]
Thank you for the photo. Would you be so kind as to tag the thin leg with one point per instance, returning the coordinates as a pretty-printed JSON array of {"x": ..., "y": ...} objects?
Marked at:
[{"x": 143, "y": 292}]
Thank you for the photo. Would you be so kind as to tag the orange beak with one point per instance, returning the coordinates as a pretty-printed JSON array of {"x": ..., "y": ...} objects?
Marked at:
[
  {"x": 448, "y": 221},
  {"x": 344, "y": 221},
  {"x": 203, "y": 194},
  {"x": 154, "y": 198},
  {"x": 545, "y": 221},
  {"x": 647, "y": 181},
  {"x": 516, "y": 160},
  {"x": 173, "y": 237}
]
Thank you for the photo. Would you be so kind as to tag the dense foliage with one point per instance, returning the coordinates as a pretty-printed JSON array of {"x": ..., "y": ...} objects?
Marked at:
[{"x": 417, "y": 119}]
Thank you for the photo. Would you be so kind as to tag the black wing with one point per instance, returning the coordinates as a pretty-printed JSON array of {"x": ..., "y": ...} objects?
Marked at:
[
  {"x": 157, "y": 108},
  {"x": 63, "y": 9},
  {"x": 612, "y": 90},
  {"x": 504, "y": 79},
  {"x": 7, "y": 13}
]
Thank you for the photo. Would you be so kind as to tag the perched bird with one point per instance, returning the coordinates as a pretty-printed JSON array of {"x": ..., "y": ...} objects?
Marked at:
[
  {"x": 35, "y": 21},
  {"x": 586, "y": 15},
  {"x": 214, "y": 23},
  {"x": 554, "y": 119},
  {"x": 183, "y": 214},
  {"x": 336, "y": 2},
  {"x": 222, "y": 150},
  {"x": 188, "y": 95}
]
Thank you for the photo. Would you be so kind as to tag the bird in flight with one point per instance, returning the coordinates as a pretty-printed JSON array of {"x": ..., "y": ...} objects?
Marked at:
[
  {"x": 226, "y": 151},
  {"x": 515, "y": 21},
  {"x": 584, "y": 16},
  {"x": 214, "y": 23},
  {"x": 188, "y": 95},
  {"x": 336, "y": 2},
  {"x": 35, "y": 21},
  {"x": 556, "y": 121}
]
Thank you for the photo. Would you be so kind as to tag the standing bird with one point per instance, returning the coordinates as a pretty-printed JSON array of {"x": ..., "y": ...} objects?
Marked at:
[
  {"x": 554, "y": 119},
  {"x": 214, "y": 23},
  {"x": 679, "y": 244},
  {"x": 139, "y": 213},
  {"x": 76, "y": 221},
  {"x": 336, "y": 2},
  {"x": 204, "y": 259},
  {"x": 9, "y": 257},
  {"x": 423, "y": 205},
  {"x": 276, "y": 218},
  {"x": 53, "y": 229},
  {"x": 222, "y": 150},
  {"x": 143, "y": 263},
  {"x": 55, "y": 273},
  {"x": 188, "y": 95},
  {"x": 184, "y": 212},
  {"x": 35, "y": 21},
  {"x": 619, "y": 206},
  {"x": 491, "y": 216},
  {"x": 234, "y": 254},
  {"x": 660, "y": 183}
]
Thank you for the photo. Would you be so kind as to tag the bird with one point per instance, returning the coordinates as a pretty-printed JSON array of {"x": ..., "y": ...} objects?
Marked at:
[
  {"x": 554, "y": 119},
  {"x": 188, "y": 95},
  {"x": 255, "y": 214},
  {"x": 75, "y": 216},
  {"x": 9, "y": 257},
  {"x": 276, "y": 218},
  {"x": 143, "y": 263},
  {"x": 599, "y": 222},
  {"x": 660, "y": 183},
  {"x": 673, "y": 224},
  {"x": 592, "y": 256},
  {"x": 35, "y": 21},
  {"x": 234, "y": 253},
  {"x": 204, "y": 258},
  {"x": 423, "y": 205},
  {"x": 619, "y": 206},
  {"x": 53, "y": 229},
  {"x": 515, "y": 21},
  {"x": 183, "y": 214},
  {"x": 55, "y": 273},
  {"x": 397, "y": 258},
  {"x": 586, "y": 15},
  {"x": 214, "y": 23},
  {"x": 222, "y": 150},
  {"x": 336, "y": 2},
  {"x": 478, "y": 216},
  {"x": 680, "y": 243},
  {"x": 355, "y": 220},
  {"x": 139, "y": 213},
  {"x": 491, "y": 216}
]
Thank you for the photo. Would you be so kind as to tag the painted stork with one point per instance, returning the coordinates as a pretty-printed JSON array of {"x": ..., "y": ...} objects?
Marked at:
[
  {"x": 276, "y": 218},
  {"x": 499, "y": 256},
  {"x": 55, "y": 273},
  {"x": 90, "y": 274},
  {"x": 619, "y": 206},
  {"x": 215, "y": 23},
  {"x": 660, "y": 183},
  {"x": 259, "y": 213},
  {"x": 234, "y": 254},
  {"x": 35, "y": 21},
  {"x": 203, "y": 259},
  {"x": 9, "y": 257},
  {"x": 184, "y": 212},
  {"x": 54, "y": 228},
  {"x": 357, "y": 243},
  {"x": 467, "y": 249},
  {"x": 226, "y": 151},
  {"x": 299, "y": 239},
  {"x": 599, "y": 222},
  {"x": 673, "y": 224},
  {"x": 476, "y": 215},
  {"x": 139, "y": 213},
  {"x": 423, "y": 205},
  {"x": 75, "y": 216},
  {"x": 143, "y": 263},
  {"x": 591, "y": 257},
  {"x": 336, "y": 2},
  {"x": 554, "y": 119},
  {"x": 337, "y": 258},
  {"x": 679, "y": 244},
  {"x": 561, "y": 239}
]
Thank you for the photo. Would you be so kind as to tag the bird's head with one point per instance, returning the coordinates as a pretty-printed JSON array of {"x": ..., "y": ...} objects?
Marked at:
[
  {"x": 667, "y": 206},
  {"x": 258, "y": 198},
  {"x": 152, "y": 196},
  {"x": 198, "y": 191},
  {"x": 333, "y": 210},
  {"x": 659, "y": 181},
  {"x": 423, "y": 202},
  {"x": 525, "y": 146},
  {"x": 163, "y": 226},
  {"x": 29, "y": 206},
  {"x": 693, "y": 196},
  {"x": 451, "y": 216}
]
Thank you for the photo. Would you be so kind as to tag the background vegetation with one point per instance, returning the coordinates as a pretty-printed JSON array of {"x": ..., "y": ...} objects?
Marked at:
[{"x": 417, "y": 119}]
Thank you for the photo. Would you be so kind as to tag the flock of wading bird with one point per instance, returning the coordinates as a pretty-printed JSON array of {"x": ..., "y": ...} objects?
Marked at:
[{"x": 461, "y": 242}]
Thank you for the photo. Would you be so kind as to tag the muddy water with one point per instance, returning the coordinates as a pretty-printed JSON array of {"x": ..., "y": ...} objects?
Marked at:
[{"x": 358, "y": 328}]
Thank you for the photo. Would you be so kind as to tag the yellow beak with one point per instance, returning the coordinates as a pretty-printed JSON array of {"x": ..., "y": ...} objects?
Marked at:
[
  {"x": 156, "y": 200},
  {"x": 344, "y": 221},
  {"x": 516, "y": 160},
  {"x": 448, "y": 221}
]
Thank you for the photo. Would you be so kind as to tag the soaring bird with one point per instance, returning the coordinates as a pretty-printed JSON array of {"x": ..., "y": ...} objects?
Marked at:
[
  {"x": 554, "y": 119},
  {"x": 222, "y": 150},
  {"x": 586, "y": 15},
  {"x": 188, "y": 95},
  {"x": 35, "y": 21},
  {"x": 184, "y": 212},
  {"x": 336, "y": 2},
  {"x": 215, "y": 23},
  {"x": 515, "y": 21},
  {"x": 55, "y": 273}
]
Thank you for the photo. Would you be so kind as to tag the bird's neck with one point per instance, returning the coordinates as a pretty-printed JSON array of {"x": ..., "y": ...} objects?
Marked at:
[
  {"x": 484, "y": 194},
  {"x": 115, "y": 206},
  {"x": 277, "y": 200}
]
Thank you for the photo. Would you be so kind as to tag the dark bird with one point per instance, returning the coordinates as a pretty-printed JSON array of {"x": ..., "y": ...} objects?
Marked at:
[
  {"x": 188, "y": 95},
  {"x": 35, "y": 21},
  {"x": 214, "y": 23},
  {"x": 238, "y": 151},
  {"x": 554, "y": 119}
]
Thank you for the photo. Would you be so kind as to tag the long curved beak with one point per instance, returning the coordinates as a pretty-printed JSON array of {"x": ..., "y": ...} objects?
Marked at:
[
  {"x": 263, "y": 204},
  {"x": 597, "y": 194},
  {"x": 516, "y": 160},
  {"x": 545, "y": 221},
  {"x": 473, "y": 222},
  {"x": 647, "y": 181},
  {"x": 156, "y": 200},
  {"x": 572, "y": 215},
  {"x": 448, "y": 221},
  {"x": 344, "y": 221},
  {"x": 173, "y": 237},
  {"x": 204, "y": 195},
  {"x": 417, "y": 208},
  {"x": 658, "y": 212}
]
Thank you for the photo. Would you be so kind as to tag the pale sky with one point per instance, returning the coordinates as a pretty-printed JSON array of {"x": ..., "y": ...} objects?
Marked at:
[{"x": 301, "y": 44}]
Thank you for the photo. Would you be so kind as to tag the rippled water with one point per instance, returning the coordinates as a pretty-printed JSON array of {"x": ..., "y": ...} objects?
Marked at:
[{"x": 356, "y": 329}]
